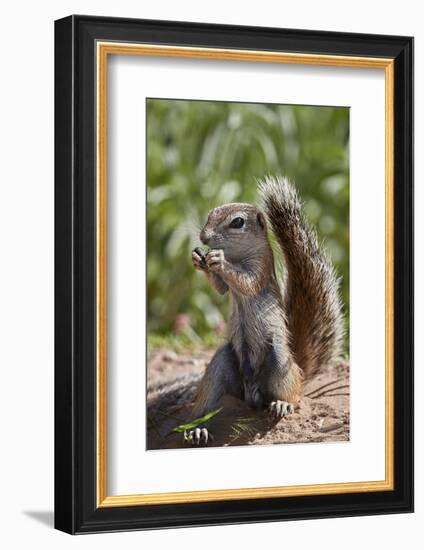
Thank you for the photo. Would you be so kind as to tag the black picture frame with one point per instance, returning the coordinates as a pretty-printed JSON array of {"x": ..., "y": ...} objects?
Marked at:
[{"x": 76, "y": 509}]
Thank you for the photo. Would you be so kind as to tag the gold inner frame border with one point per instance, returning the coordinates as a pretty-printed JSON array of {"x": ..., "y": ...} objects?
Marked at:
[{"x": 103, "y": 50}]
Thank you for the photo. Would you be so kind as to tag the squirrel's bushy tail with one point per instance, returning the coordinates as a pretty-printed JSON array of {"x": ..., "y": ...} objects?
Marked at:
[{"x": 311, "y": 299}]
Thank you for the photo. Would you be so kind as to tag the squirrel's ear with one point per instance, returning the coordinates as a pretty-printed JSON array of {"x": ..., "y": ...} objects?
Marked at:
[{"x": 261, "y": 220}]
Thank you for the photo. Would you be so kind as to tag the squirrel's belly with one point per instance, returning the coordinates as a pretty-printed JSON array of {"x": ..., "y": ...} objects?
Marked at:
[{"x": 255, "y": 323}]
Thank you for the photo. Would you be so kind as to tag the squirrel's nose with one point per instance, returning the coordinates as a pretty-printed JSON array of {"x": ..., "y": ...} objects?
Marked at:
[{"x": 205, "y": 237}]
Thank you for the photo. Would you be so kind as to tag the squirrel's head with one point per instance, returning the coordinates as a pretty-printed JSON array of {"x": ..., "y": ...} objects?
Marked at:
[{"x": 238, "y": 229}]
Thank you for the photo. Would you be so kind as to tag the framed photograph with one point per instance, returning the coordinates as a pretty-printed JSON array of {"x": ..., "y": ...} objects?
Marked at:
[{"x": 234, "y": 274}]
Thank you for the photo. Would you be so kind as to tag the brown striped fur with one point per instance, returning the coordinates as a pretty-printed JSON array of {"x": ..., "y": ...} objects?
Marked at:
[{"x": 311, "y": 297}]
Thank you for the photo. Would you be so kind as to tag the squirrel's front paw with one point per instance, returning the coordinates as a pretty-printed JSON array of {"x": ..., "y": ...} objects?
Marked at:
[
  {"x": 198, "y": 259},
  {"x": 198, "y": 437},
  {"x": 278, "y": 409},
  {"x": 215, "y": 260}
]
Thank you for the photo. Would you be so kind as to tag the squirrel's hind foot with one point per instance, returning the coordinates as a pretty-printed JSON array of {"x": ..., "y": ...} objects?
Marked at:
[
  {"x": 198, "y": 437},
  {"x": 278, "y": 409}
]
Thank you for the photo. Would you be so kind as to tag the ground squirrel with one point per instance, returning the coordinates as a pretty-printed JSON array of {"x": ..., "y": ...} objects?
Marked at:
[{"x": 274, "y": 339}]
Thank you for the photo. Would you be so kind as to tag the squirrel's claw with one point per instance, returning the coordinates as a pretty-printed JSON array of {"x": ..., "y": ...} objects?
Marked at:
[
  {"x": 198, "y": 437},
  {"x": 198, "y": 259},
  {"x": 215, "y": 260},
  {"x": 278, "y": 409}
]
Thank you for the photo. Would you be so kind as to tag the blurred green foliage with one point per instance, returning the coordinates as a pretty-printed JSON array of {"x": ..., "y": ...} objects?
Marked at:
[{"x": 201, "y": 154}]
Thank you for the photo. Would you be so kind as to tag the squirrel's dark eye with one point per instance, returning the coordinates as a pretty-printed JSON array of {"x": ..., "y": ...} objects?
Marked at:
[{"x": 237, "y": 223}]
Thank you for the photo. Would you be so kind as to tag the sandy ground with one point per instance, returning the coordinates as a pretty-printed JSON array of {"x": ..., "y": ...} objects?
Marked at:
[{"x": 321, "y": 415}]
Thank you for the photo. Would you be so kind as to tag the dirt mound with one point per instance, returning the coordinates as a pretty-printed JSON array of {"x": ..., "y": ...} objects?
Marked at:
[{"x": 321, "y": 415}]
